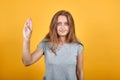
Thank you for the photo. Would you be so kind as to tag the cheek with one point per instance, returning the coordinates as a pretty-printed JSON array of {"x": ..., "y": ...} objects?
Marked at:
[
  {"x": 58, "y": 28},
  {"x": 67, "y": 28}
]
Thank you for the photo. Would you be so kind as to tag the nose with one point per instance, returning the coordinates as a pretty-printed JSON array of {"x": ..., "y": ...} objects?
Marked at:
[{"x": 62, "y": 26}]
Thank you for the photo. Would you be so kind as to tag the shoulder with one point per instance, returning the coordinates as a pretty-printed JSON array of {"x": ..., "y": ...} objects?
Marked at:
[
  {"x": 43, "y": 43},
  {"x": 78, "y": 46},
  {"x": 45, "y": 40}
]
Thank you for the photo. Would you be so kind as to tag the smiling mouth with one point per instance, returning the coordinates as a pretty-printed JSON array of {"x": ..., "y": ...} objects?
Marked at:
[{"x": 62, "y": 31}]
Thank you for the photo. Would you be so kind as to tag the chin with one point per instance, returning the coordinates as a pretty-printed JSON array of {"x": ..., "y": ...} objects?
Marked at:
[{"x": 62, "y": 35}]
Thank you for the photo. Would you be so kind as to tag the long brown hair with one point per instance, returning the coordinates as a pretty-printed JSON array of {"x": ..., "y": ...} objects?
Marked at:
[{"x": 53, "y": 37}]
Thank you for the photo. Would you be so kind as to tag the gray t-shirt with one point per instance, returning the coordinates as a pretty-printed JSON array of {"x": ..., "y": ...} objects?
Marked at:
[{"x": 61, "y": 66}]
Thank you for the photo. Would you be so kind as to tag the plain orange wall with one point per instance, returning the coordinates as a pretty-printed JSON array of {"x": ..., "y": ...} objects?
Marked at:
[{"x": 97, "y": 26}]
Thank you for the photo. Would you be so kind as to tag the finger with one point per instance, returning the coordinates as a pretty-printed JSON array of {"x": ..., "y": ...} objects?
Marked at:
[
  {"x": 30, "y": 23},
  {"x": 27, "y": 21},
  {"x": 27, "y": 30},
  {"x": 28, "y": 27},
  {"x": 24, "y": 28}
]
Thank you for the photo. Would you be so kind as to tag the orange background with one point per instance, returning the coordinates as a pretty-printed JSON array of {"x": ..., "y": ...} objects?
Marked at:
[{"x": 97, "y": 26}]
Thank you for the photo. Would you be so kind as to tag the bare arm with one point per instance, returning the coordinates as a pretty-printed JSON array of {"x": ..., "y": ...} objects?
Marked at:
[
  {"x": 80, "y": 72},
  {"x": 27, "y": 57}
]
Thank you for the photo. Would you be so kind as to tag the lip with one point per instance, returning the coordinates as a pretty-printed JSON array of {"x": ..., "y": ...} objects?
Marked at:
[{"x": 62, "y": 30}]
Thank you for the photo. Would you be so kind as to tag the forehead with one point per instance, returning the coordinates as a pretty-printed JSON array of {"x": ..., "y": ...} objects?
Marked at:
[{"x": 62, "y": 18}]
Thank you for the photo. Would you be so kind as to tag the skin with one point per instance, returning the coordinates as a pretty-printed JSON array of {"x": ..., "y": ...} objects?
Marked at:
[
  {"x": 62, "y": 30},
  {"x": 27, "y": 57}
]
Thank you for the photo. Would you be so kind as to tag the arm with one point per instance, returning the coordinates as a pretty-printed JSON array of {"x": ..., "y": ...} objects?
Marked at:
[
  {"x": 79, "y": 67},
  {"x": 30, "y": 58},
  {"x": 27, "y": 57}
]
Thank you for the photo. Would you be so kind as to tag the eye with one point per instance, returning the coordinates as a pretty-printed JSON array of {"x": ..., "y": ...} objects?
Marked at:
[
  {"x": 59, "y": 23},
  {"x": 66, "y": 23}
]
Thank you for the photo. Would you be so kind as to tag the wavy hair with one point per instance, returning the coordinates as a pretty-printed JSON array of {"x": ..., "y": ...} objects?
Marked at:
[{"x": 52, "y": 35}]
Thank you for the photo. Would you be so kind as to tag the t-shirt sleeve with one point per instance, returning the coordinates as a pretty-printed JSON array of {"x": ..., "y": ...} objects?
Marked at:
[
  {"x": 42, "y": 44},
  {"x": 79, "y": 49}
]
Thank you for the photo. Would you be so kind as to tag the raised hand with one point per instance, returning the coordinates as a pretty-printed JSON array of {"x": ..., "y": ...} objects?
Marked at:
[{"x": 27, "y": 30}]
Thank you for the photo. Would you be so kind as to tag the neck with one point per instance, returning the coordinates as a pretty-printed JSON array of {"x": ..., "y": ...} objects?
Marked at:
[{"x": 62, "y": 40}]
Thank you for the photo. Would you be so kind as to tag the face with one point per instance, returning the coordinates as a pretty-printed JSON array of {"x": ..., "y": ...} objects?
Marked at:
[{"x": 62, "y": 26}]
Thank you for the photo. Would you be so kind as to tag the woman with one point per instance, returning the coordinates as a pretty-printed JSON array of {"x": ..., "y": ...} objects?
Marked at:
[{"x": 63, "y": 52}]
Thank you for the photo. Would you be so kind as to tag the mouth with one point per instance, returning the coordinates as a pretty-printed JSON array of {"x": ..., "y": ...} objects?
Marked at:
[{"x": 62, "y": 31}]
